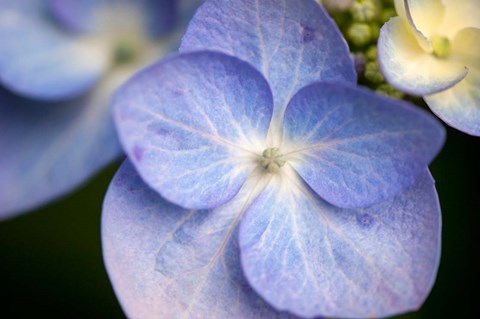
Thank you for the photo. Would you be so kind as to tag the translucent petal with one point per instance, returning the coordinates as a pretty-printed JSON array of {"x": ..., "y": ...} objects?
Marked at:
[
  {"x": 400, "y": 8},
  {"x": 89, "y": 15},
  {"x": 310, "y": 258},
  {"x": 48, "y": 149},
  {"x": 191, "y": 123},
  {"x": 459, "y": 106},
  {"x": 466, "y": 48},
  {"x": 426, "y": 15},
  {"x": 424, "y": 18},
  {"x": 40, "y": 61},
  {"x": 459, "y": 14},
  {"x": 293, "y": 43},
  {"x": 355, "y": 148},
  {"x": 167, "y": 262},
  {"x": 408, "y": 67}
]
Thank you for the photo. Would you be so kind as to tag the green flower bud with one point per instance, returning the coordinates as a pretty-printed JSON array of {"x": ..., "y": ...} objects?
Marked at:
[
  {"x": 371, "y": 53},
  {"x": 386, "y": 14},
  {"x": 375, "y": 29},
  {"x": 365, "y": 10},
  {"x": 359, "y": 33},
  {"x": 388, "y": 90},
  {"x": 372, "y": 73}
]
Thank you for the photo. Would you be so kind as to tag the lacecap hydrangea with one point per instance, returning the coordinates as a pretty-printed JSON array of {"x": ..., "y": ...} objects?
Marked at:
[
  {"x": 262, "y": 183},
  {"x": 60, "y": 61}
]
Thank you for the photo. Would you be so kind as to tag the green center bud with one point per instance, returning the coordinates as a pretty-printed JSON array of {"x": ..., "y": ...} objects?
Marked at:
[
  {"x": 272, "y": 160},
  {"x": 124, "y": 52},
  {"x": 440, "y": 46}
]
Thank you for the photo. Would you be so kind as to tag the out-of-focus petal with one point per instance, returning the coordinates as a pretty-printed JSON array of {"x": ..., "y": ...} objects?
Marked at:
[
  {"x": 40, "y": 61},
  {"x": 92, "y": 15},
  {"x": 186, "y": 8},
  {"x": 25, "y": 6},
  {"x": 46, "y": 150},
  {"x": 459, "y": 14},
  {"x": 424, "y": 17},
  {"x": 355, "y": 148},
  {"x": 310, "y": 258},
  {"x": 168, "y": 262},
  {"x": 466, "y": 48},
  {"x": 293, "y": 43},
  {"x": 459, "y": 106},
  {"x": 402, "y": 8},
  {"x": 408, "y": 67},
  {"x": 189, "y": 122}
]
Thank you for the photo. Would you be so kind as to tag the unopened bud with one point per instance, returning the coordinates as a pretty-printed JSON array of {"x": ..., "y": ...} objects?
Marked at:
[{"x": 359, "y": 33}]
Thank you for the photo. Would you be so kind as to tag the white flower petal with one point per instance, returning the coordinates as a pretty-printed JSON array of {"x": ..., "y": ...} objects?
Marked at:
[
  {"x": 424, "y": 17},
  {"x": 459, "y": 14},
  {"x": 466, "y": 47},
  {"x": 408, "y": 67},
  {"x": 460, "y": 106},
  {"x": 427, "y": 15}
]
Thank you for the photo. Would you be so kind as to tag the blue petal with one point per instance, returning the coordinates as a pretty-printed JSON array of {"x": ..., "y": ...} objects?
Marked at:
[
  {"x": 355, "y": 148},
  {"x": 39, "y": 61},
  {"x": 310, "y": 258},
  {"x": 48, "y": 149},
  {"x": 167, "y": 262},
  {"x": 86, "y": 15},
  {"x": 293, "y": 43},
  {"x": 25, "y": 6},
  {"x": 188, "y": 123}
]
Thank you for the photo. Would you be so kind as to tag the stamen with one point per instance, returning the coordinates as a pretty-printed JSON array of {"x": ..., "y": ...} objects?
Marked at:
[{"x": 272, "y": 160}]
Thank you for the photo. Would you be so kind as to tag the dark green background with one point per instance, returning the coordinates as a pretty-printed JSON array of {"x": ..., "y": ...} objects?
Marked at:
[{"x": 51, "y": 263}]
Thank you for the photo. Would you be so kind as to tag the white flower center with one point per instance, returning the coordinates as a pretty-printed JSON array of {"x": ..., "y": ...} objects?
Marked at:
[
  {"x": 122, "y": 42},
  {"x": 122, "y": 29}
]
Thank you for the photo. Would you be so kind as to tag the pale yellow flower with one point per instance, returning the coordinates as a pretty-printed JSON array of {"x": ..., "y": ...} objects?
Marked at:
[{"x": 432, "y": 49}]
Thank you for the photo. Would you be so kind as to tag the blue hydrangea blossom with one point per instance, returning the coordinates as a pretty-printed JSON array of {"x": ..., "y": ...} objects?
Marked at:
[
  {"x": 60, "y": 60},
  {"x": 261, "y": 183}
]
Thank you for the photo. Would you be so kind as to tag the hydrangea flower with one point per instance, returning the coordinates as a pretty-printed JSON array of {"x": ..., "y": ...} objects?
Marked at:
[
  {"x": 60, "y": 60},
  {"x": 433, "y": 49},
  {"x": 261, "y": 183}
]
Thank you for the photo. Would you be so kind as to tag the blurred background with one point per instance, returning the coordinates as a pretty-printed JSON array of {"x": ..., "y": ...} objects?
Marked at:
[{"x": 51, "y": 263}]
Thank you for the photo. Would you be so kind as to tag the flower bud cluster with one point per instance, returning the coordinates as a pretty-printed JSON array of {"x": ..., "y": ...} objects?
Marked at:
[{"x": 360, "y": 22}]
